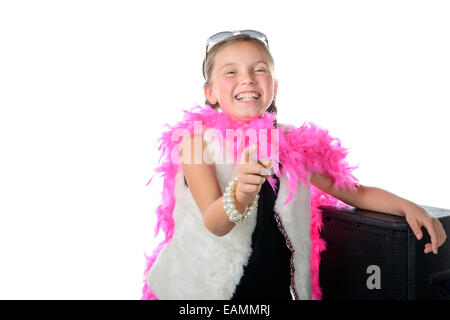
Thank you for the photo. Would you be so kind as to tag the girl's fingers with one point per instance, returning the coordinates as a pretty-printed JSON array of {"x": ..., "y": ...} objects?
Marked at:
[
  {"x": 266, "y": 163},
  {"x": 434, "y": 229},
  {"x": 251, "y": 179},
  {"x": 251, "y": 174},
  {"x": 249, "y": 189},
  {"x": 255, "y": 169},
  {"x": 432, "y": 232},
  {"x": 440, "y": 237},
  {"x": 249, "y": 158},
  {"x": 266, "y": 172},
  {"x": 249, "y": 168},
  {"x": 443, "y": 234},
  {"x": 416, "y": 229},
  {"x": 248, "y": 155}
]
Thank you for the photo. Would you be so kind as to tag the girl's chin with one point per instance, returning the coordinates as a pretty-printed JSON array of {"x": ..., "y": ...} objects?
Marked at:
[
  {"x": 249, "y": 108},
  {"x": 244, "y": 112},
  {"x": 246, "y": 116}
]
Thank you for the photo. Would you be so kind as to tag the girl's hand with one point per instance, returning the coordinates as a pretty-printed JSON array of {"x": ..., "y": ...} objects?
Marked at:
[
  {"x": 251, "y": 174},
  {"x": 417, "y": 217}
]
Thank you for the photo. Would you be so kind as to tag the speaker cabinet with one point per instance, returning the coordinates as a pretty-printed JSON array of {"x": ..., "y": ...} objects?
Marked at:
[{"x": 374, "y": 256}]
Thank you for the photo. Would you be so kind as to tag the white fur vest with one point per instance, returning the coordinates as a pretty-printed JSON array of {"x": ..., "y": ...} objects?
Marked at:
[{"x": 196, "y": 264}]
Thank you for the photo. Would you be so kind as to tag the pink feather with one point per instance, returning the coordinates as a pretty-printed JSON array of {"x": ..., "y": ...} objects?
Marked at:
[{"x": 300, "y": 150}]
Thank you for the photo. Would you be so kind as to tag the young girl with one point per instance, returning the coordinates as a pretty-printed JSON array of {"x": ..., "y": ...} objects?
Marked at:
[{"x": 249, "y": 228}]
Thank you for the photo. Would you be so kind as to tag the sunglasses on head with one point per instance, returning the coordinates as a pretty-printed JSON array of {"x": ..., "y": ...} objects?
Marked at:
[{"x": 226, "y": 34}]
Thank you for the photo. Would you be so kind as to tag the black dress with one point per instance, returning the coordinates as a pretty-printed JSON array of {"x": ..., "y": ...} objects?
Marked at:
[{"x": 267, "y": 274}]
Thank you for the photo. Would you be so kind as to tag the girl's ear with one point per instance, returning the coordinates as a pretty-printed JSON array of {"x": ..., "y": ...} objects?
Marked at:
[{"x": 209, "y": 94}]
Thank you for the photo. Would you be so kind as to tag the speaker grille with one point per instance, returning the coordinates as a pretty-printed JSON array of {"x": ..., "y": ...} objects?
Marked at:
[{"x": 353, "y": 247}]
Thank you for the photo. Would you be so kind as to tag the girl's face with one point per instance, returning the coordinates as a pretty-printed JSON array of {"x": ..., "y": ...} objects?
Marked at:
[{"x": 242, "y": 67}]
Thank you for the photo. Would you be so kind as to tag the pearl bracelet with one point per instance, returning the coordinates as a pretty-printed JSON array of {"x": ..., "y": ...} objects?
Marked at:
[{"x": 230, "y": 207}]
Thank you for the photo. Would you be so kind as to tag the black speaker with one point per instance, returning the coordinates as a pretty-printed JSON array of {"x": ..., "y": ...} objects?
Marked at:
[{"x": 375, "y": 256}]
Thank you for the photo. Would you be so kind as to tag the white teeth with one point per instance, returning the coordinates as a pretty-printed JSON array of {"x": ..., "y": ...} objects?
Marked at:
[{"x": 247, "y": 96}]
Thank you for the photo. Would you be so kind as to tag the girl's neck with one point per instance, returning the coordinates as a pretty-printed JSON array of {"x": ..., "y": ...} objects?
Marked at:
[{"x": 243, "y": 119}]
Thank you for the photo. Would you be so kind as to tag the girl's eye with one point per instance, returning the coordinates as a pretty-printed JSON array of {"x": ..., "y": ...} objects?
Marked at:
[{"x": 230, "y": 72}]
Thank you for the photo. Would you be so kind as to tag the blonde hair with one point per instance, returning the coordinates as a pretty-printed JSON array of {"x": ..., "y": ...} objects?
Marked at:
[{"x": 208, "y": 63}]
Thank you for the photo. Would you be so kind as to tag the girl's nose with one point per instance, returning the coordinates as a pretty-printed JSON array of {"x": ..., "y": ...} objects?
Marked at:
[{"x": 246, "y": 78}]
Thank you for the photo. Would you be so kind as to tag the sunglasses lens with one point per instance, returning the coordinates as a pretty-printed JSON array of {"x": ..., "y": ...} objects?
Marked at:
[
  {"x": 216, "y": 38},
  {"x": 219, "y": 36},
  {"x": 256, "y": 34},
  {"x": 225, "y": 34}
]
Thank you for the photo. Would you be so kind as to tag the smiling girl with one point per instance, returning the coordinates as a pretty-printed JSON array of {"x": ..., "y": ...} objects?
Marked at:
[
  {"x": 250, "y": 229},
  {"x": 241, "y": 81}
]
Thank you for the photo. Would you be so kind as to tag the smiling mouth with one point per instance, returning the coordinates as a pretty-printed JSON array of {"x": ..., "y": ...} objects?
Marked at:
[{"x": 248, "y": 97}]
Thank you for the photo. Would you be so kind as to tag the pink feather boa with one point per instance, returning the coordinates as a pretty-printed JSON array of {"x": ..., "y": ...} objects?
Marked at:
[{"x": 301, "y": 150}]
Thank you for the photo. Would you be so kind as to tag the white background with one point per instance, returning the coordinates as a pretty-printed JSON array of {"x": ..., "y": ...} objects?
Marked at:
[{"x": 86, "y": 86}]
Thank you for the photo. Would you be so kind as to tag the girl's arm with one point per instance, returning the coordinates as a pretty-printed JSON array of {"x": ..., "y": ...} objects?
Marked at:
[
  {"x": 376, "y": 199},
  {"x": 202, "y": 181}
]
